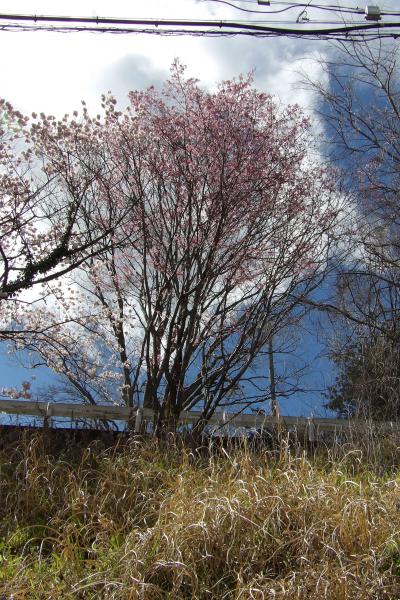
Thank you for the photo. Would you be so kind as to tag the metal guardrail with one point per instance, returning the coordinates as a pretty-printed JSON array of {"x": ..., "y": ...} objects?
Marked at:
[{"x": 312, "y": 427}]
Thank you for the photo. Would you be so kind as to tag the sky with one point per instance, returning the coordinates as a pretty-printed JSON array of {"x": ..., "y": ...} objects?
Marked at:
[{"x": 52, "y": 72}]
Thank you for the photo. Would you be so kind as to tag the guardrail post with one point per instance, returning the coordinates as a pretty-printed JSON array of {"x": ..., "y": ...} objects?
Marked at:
[
  {"x": 138, "y": 420},
  {"x": 224, "y": 420},
  {"x": 311, "y": 430},
  {"x": 47, "y": 417}
]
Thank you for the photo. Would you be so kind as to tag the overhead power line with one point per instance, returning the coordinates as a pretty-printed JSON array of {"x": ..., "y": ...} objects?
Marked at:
[
  {"x": 362, "y": 30},
  {"x": 335, "y": 8}
]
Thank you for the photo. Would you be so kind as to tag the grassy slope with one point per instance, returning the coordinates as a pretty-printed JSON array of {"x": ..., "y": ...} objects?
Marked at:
[{"x": 135, "y": 522}]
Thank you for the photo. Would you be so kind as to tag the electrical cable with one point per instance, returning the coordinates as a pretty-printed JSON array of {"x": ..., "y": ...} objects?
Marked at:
[
  {"x": 291, "y": 7},
  {"x": 308, "y": 35},
  {"x": 334, "y": 7},
  {"x": 193, "y": 27}
]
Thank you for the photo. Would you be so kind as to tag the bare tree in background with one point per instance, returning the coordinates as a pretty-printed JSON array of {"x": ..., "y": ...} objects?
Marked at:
[{"x": 359, "y": 104}]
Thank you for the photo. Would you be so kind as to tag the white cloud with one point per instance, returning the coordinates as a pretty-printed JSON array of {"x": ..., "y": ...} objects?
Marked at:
[{"x": 52, "y": 72}]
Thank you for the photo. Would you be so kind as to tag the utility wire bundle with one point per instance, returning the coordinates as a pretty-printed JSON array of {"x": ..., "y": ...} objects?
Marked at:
[{"x": 348, "y": 24}]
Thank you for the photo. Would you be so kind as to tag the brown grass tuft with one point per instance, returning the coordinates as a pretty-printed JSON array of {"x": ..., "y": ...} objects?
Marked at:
[{"x": 136, "y": 522}]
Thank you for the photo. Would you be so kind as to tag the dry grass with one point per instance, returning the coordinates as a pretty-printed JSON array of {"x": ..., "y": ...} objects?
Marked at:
[{"x": 133, "y": 522}]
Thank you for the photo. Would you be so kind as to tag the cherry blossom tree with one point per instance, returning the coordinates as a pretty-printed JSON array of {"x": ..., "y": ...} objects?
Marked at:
[
  {"x": 227, "y": 234},
  {"x": 55, "y": 204}
]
